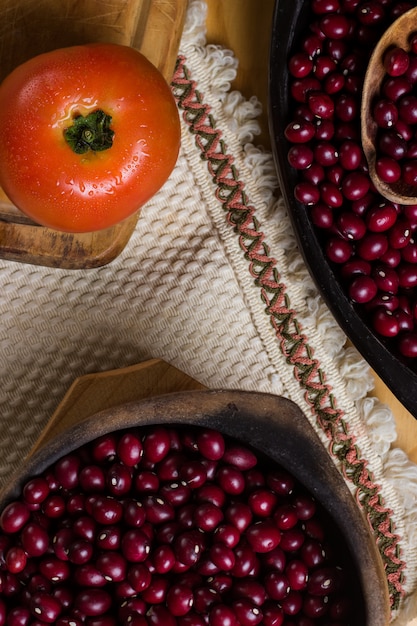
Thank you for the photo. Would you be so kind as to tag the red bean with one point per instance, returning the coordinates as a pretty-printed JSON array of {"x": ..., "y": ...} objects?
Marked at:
[
  {"x": 409, "y": 172},
  {"x": 338, "y": 250},
  {"x": 112, "y": 565},
  {"x": 307, "y": 193},
  {"x": 205, "y": 597},
  {"x": 240, "y": 456},
  {"x": 193, "y": 473},
  {"x": 388, "y": 169},
  {"x": 323, "y": 581},
  {"x": 300, "y": 65},
  {"x": 407, "y": 344},
  {"x": 396, "y": 61},
  {"x": 386, "y": 278},
  {"x": 247, "y": 614},
  {"x": 292, "y": 540},
  {"x": 292, "y": 603},
  {"x": 107, "y": 510},
  {"x": 312, "y": 45},
  {"x": 208, "y": 516},
  {"x": 179, "y": 599},
  {"x": 67, "y": 471},
  {"x": 324, "y": 130},
  {"x": 319, "y": 103},
  {"x": 222, "y": 615},
  {"x": 320, "y": 7},
  {"x": 300, "y": 131},
  {"x": 92, "y": 602},
  {"x": 385, "y": 113},
  {"x": 350, "y": 155},
  {"x": 36, "y": 490},
  {"x": 314, "y": 174},
  {"x": 129, "y": 449},
  {"x": 18, "y": 616},
  {"x": 211, "y": 444},
  {"x": 135, "y": 545},
  {"x": 321, "y": 215},
  {"x": 222, "y": 556},
  {"x": 331, "y": 195},
  {"x": 104, "y": 448},
  {"x": 14, "y": 516},
  {"x": 156, "y": 444},
  {"x": 381, "y": 217},
  {"x": 335, "y": 26},
  {"x": 385, "y": 323},
  {"x": 45, "y": 607},
  {"x": 275, "y": 559},
  {"x": 246, "y": 561},
  {"x": 351, "y": 225},
  {"x": 15, "y": 559},
  {"x": 372, "y": 246},
  {"x": 273, "y": 615},
  {"x": 312, "y": 553},
  {"x": 277, "y": 585},
  {"x": 263, "y": 536},
  {"x": 139, "y": 577},
  {"x": 35, "y": 539},
  {"x": 326, "y": 153},
  {"x": 230, "y": 479},
  {"x": 88, "y": 575}
]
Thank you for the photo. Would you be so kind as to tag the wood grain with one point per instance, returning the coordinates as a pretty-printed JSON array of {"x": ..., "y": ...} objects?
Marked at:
[
  {"x": 397, "y": 35},
  {"x": 244, "y": 26},
  {"x": 95, "y": 392},
  {"x": 29, "y": 27}
]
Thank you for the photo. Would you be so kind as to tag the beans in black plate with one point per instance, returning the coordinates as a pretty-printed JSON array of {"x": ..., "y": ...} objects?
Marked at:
[{"x": 353, "y": 221}]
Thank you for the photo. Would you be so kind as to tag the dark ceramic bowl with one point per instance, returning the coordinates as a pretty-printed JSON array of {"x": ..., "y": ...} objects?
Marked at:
[
  {"x": 274, "y": 427},
  {"x": 290, "y": 21}
]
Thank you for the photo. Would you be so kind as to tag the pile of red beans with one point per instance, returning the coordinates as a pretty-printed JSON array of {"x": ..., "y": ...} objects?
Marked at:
[
  {"x": 370, "y": 242},
  {"x": 171, "y": 526},
  {"x": 395, "y": 115}
]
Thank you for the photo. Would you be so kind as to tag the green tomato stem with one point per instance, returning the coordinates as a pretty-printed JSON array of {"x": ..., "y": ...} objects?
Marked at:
[{"x": 91, "y": 132}]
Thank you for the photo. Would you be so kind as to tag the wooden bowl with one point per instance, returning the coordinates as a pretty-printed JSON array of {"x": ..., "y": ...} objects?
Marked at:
[
  {"x": 28, "y": 29},
  {"x": 397, "y": 35},
  {"x": 274, "y": 427},
  {"x": 290, "y": 22}
]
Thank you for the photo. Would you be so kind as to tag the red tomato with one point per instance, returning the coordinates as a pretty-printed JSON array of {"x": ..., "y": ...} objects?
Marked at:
[{"x": 119, "y": 113}]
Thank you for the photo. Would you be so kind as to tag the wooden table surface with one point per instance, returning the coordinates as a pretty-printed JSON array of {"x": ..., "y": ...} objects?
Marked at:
[{"x": 244, "y": 26}]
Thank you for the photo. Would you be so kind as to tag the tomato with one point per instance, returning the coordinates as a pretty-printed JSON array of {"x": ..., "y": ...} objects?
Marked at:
[{"x": 87, "y": 135}]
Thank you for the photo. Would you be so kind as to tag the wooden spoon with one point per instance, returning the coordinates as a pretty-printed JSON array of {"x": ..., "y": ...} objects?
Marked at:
[{"x": 398, "y": 34}]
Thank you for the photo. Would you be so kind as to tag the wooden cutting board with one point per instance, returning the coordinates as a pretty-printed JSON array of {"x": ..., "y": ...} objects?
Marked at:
[
  {"x": 95, "y": 392},
  {"x": 28, "y": 28}
]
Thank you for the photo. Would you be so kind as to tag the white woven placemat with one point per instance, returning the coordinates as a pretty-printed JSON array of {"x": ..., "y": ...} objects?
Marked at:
[{"x": 212, "y": 282}]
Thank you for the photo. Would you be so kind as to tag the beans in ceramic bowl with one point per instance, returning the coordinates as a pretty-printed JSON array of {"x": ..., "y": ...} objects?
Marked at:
[{"x": 161, "y": 513}]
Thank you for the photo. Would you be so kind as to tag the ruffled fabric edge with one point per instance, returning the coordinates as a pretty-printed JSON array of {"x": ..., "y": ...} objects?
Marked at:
[{"x": 241, "y": 116}]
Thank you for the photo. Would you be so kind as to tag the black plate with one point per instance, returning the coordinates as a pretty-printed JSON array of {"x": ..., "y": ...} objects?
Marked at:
[{"x": 290, "y": 20}]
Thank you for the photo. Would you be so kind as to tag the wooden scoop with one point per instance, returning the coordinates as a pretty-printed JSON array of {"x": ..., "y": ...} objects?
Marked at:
[{"x": 397, "y": 34}]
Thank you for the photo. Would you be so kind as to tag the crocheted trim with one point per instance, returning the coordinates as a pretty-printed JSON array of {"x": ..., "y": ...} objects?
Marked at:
[{"x": 293, "y": 343}]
